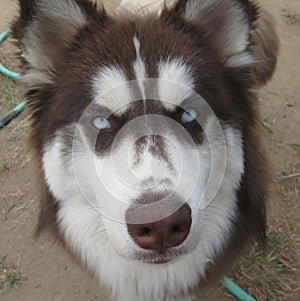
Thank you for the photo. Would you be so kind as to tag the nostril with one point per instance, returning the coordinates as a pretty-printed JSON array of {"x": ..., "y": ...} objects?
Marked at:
[
  {"x": 145, "y": 231},
  {"x": 176, "y": 229}
]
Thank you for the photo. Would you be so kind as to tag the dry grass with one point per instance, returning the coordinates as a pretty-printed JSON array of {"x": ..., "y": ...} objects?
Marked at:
[
  {"x": 12, "y": 137},
  {"x": 10, "y": 275},
  {"x": 292, "y": 17},
  {"x": 269, "y": 275}
]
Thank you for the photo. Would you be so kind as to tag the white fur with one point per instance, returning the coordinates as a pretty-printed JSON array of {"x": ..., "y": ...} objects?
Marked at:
[
  {"x": 176, "y": 82},
  {"x": 144, "y": 6},
  {"x": 56, "y": 169},
  {"x": 139, "y": 67},
  {"x": 111, "y": 89}
]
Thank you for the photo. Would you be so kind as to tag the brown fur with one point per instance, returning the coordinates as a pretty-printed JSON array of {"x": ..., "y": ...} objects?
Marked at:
[{"x": 265, "y": 47}]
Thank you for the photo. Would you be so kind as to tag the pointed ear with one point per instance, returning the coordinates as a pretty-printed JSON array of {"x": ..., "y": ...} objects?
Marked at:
[
  {"x": 241, "y": 33},
  {"x": 44, "y": 30}
]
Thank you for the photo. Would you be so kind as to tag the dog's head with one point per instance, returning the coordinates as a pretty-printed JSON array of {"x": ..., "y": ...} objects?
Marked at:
[{"x": 146, "y": 125}]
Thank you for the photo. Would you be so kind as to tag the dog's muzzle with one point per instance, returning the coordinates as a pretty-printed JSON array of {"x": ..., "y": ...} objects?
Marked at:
[{"x": 170, "y": 226}]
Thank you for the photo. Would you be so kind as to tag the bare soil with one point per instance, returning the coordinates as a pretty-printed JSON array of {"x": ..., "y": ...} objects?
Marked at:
[{"x": 48, "y": 273}]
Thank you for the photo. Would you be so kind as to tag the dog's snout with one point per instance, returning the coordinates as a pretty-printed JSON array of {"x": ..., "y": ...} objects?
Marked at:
[{"x": 162, "y": 234}]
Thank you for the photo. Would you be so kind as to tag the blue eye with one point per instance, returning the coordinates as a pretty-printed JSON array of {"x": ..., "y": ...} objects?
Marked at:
[
  {"x": 101, "y": 123},
  {"x": 189, "y": 116}
]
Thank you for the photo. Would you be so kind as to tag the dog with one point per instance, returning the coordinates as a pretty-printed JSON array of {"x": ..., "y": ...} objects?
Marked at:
[{"x": 147, "y": 136}]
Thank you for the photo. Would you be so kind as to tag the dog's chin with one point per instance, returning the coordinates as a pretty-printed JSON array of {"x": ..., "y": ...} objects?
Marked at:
[{"x": 152, "y": 257}]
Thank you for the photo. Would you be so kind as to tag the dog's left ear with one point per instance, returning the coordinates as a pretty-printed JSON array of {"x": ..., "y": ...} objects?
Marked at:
[{"x": 239, "y": 30}]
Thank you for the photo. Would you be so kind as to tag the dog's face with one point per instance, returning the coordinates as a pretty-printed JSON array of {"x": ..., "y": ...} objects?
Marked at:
[
  {"x": 143, "y": 126},
  {"x": 139, "y": 149}
]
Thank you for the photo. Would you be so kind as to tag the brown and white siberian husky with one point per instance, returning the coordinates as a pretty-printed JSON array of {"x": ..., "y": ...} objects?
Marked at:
[{"x": 146, "y": 131}]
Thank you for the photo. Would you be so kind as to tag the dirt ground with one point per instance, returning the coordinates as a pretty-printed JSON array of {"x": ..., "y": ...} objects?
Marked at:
[{"x": 47, "y": 271}]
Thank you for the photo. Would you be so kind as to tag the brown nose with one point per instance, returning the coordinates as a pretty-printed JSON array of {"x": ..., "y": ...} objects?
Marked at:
[{"x": 163, "y": 234}]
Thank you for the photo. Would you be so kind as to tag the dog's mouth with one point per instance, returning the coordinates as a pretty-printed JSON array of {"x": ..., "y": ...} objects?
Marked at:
[{"x": 153, "y": 257}]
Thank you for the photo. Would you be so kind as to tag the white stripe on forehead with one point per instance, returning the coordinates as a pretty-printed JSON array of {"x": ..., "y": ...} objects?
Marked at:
[
  {"x": 111, "y": 89},
  {"x": 139, "y": 67},
  {"x": 176, "y": 83}
]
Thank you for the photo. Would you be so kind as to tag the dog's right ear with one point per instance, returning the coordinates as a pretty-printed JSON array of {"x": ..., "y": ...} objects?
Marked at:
[{"x": 44, "y": 29}]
